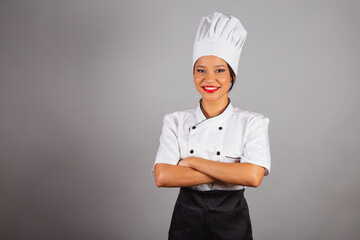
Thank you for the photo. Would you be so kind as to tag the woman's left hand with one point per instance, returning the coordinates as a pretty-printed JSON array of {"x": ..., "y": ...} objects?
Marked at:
[{"x": 185, "y": 162}]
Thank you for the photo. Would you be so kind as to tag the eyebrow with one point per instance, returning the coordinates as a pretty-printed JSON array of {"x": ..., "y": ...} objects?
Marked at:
[{"x": 215, "y": 66}]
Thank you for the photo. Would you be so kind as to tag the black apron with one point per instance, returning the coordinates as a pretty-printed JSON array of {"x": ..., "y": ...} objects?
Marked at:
[{"x": 210, "y": 215}]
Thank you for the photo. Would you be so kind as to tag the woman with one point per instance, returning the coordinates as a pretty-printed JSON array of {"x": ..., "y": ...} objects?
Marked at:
[{"x": 214, "y": 151}]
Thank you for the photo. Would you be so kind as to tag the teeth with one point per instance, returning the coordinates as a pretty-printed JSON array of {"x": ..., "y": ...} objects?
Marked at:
[{"x": 210, "y": 88}]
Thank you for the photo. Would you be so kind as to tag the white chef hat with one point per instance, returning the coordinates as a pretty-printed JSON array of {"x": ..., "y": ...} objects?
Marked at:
[{"x": 220, "y": 35}]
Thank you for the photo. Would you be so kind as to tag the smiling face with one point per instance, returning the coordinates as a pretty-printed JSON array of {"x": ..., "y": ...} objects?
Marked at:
[{"x": 212, "y": 78}]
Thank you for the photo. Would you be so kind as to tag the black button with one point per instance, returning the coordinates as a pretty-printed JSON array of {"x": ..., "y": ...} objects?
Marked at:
[
  {"x": 220, "y": 128},
  {"x": 218, "y": 153},
  {"x": 191, "y": 151},
  {"x": 193, "y": 127}
]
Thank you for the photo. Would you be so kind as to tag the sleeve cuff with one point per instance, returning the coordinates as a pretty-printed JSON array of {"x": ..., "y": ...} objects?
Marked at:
[{"x": 259, "y": 163}]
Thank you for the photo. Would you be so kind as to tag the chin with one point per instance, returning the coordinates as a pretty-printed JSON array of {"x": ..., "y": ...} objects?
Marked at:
[{"x": 211, "y": 98}]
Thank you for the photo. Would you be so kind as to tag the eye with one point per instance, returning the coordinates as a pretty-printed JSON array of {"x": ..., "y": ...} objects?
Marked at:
[
  {"x": 220, "y": 70},
  {"x": 200, "y": 70}
]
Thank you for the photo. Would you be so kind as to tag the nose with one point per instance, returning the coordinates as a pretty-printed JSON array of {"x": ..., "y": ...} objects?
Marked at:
[{"x": 209, "y": 77}]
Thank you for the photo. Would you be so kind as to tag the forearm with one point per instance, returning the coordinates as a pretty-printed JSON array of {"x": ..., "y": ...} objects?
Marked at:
[
  {"x": 167, "y": 175},
  {"x": 245, "y": 174}
]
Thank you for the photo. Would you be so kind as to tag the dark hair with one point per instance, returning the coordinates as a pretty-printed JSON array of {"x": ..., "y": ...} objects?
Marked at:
[{"x": 232, "y": 76}]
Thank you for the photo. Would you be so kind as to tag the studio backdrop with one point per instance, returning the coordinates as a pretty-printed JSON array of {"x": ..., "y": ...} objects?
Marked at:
[{"x": 84, "y": 86}]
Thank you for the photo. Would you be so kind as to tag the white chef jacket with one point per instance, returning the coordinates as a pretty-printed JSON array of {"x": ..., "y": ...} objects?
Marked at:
[{"x": 235, "y": 135}]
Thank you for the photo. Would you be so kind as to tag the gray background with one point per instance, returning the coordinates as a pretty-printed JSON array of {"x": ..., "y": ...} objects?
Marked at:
[{"x": 84, "y": 86}]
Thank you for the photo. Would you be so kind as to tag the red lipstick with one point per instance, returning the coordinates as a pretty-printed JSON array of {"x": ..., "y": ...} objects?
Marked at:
[{"x": 210, "y": 89}]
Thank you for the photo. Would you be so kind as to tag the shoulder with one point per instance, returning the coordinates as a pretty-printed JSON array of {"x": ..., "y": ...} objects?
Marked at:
[
  {"x": 177, "y": 115},
  {"x": 251, "y": 118},
  {"x": 247, "y": 114}
]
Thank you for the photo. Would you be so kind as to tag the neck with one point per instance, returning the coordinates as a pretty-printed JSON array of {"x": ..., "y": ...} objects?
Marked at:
[{"x": 214, "y": 108}]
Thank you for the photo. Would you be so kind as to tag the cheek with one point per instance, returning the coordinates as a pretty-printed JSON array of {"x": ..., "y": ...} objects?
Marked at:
[
  {"x": 198, "y": 88},
  {"x": 197, "y": 81},
  {"x": 225, "y": 81}
]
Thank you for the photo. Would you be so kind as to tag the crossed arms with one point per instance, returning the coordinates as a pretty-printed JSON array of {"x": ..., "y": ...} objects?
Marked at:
[{"x": 194, "y": 170}]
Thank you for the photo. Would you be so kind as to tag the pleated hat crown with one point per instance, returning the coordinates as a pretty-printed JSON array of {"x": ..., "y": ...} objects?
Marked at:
[{"x": 220, "y": 35}]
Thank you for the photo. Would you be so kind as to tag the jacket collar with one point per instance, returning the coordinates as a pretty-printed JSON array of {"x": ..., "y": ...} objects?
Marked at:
[{"x": 219, "y": 118}]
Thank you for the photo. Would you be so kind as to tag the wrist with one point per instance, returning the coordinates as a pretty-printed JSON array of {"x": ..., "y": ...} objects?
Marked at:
[{"x": 192, "y": 162}]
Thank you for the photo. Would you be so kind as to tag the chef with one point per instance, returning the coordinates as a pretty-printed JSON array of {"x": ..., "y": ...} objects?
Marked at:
[{"x": 214, "y": 151}]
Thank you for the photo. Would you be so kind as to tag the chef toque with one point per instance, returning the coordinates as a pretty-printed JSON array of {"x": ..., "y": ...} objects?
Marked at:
[{"x": 220, "y": 35}]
